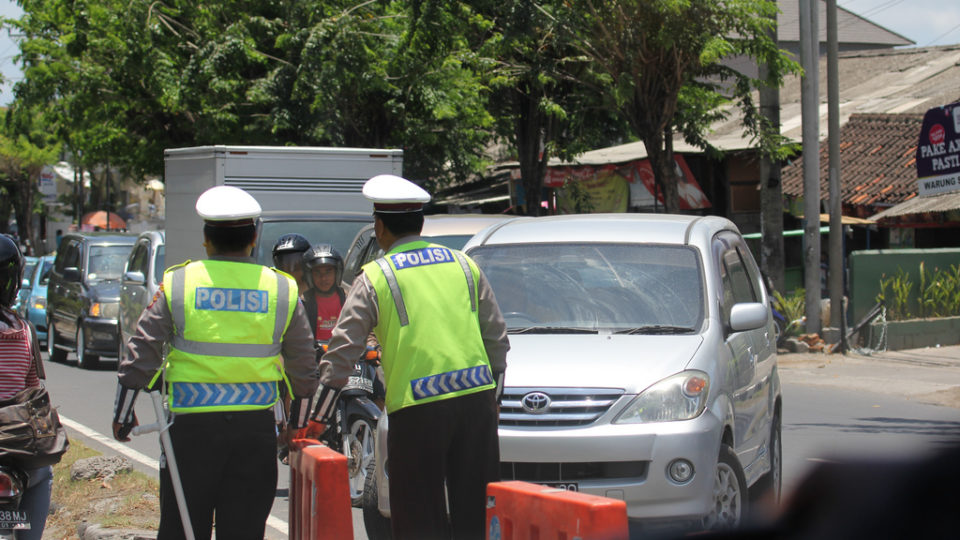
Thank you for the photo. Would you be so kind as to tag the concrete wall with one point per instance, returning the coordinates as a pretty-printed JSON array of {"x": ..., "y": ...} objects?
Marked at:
[{"x": 867, "y": 268}]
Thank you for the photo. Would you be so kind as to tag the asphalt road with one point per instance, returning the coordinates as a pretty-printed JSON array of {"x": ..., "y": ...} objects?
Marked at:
[{"x": 820, "y": 424}]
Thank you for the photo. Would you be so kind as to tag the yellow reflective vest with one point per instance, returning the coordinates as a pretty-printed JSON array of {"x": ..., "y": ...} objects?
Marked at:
[
  {"x": 229, "y": 319},
  {"x": 428, "y": 325}
]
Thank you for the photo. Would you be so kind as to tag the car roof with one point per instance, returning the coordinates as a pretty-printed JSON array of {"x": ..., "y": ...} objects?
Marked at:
[
  {"x": 626, "y": 228},
  {"x": 459, "y": 224},
  {"x": 320, "y": 215},
  {"x": 104, "y": 237}
]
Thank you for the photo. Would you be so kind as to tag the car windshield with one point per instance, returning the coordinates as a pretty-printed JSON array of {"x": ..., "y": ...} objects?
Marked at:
[
  {"x": 158, "y": 266},
  {"x": 28, "y": 268},
  {"x": 572, "y": 288},
  {"x": 106, "y": 262},
  {"x": 337, "y": 233},
  {"x": 45, "y": 272}
]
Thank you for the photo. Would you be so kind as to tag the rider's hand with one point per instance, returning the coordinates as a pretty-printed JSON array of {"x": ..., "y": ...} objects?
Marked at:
[
  {"x": 314, "y": 430},
  {"x": 121, "y": 432}
]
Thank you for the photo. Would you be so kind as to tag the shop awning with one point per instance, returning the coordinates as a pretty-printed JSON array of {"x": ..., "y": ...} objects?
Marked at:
[{"x": 944, "y": 202}]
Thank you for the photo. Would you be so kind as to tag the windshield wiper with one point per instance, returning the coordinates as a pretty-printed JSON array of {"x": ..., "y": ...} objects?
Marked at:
[
  {"x": 551, "y": 330},
  {"x": 655, "y": 329}
]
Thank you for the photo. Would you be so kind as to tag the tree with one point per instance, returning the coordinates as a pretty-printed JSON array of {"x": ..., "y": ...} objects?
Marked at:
[
  {"x": 664, "y": 64},
  {"x": 25, "y": 147}
]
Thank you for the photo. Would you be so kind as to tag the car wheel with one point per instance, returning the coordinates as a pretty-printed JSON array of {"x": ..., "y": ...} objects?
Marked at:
[
  {"x": 729, "y": 493},
  {"x": 55, "y": 354},
  {"x": 360, "y": 441},
  {"x": 376, "y": 525},
  {"x": 768, "y": 487},
  {"x": 85, "y": 359}
]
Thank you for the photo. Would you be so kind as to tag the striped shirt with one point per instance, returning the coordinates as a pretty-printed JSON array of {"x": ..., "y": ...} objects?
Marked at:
[{"x": 17, "y": 367}]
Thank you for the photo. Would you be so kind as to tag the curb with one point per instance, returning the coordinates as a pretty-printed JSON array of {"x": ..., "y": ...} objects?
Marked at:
[{"x": 93, "y": 531}]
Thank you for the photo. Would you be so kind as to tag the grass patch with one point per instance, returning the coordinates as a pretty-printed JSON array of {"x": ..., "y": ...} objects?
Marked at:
[{"x": 128, "y": 500}]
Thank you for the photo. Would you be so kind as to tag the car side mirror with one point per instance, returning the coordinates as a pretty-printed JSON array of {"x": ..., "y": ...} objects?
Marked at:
[
  {"x": 134, "y": 277},
  {"x": 71, "y": 273},
  {"x": 748, "y": 316}
]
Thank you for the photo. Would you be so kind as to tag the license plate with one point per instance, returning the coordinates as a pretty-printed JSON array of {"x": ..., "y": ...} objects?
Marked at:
[
  {"x": 565, "y": 486},
  {"x": 14, "y": 519}
]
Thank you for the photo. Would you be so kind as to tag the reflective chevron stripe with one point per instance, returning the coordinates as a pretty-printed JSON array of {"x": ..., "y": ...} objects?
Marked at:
[
  {"x": 194, "y": 395},
  {"x": 451, "y": 381}
]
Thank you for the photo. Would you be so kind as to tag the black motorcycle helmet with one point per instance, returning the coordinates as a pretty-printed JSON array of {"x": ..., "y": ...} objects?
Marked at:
[
  {"x": 11, "y": 270},
  {"x": 288, "y": 250},
  {"x": 320, "y": 255}
]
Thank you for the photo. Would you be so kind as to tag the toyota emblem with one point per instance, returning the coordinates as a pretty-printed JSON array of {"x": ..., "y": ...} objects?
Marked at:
[{"x": 535, "y": 402}]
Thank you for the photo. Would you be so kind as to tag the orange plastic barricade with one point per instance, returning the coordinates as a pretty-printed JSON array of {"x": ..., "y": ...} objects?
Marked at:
[
  {"x": 319, "y": 494},
  {"x": 525, "y": 511}
]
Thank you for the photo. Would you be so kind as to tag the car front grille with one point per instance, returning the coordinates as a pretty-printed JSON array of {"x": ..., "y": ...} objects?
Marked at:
[
  {"x": 573, "y": 472},
  {"x": 555, "y": 406}
]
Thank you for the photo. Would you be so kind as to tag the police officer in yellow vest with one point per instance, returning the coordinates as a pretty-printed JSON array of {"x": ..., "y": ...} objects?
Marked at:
[
  {"x": 236, "y": 332},
  {"x": 444, "y": 355}
]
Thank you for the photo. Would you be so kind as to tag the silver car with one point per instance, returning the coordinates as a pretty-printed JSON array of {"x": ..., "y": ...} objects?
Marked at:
[
  {"x": 141, "y": 279},
  {"x": 642, "y": 364}
]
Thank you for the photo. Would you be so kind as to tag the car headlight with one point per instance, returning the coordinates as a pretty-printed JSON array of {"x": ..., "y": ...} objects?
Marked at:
[
  {"x": 106, "y": 310},
  {"x": 679, "y": 397},
  {"x": 38, "y": 302}
]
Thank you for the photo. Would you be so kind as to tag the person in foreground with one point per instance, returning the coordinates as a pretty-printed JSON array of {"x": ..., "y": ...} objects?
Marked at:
[
  {"x": 436, "y": 318},
  {"x": 236, "y": 331}
]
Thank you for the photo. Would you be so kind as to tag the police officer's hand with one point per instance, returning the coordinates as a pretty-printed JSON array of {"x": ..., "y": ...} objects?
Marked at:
[
  {"x": 121, "y": 431},
  {"x": 314, "y": 430}
]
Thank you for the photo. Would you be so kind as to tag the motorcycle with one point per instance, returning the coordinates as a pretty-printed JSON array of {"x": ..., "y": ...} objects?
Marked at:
[
  {"x": 359, "y": 406},
  {"x": 13, "y": 482}
]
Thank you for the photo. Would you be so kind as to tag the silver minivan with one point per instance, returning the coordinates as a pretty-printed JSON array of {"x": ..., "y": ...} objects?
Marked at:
[
  {"x": 141, "y": 279},
  {"x": 642, "y": 364}
]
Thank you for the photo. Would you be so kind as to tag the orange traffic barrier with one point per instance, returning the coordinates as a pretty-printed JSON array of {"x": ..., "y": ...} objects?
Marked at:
[
  {"x": 525, "y": 511},
  {"x": 319, "y": 494}
]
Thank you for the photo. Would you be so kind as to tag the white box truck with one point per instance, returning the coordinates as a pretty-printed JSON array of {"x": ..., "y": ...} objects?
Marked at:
[{"x": 314, "y": 191}]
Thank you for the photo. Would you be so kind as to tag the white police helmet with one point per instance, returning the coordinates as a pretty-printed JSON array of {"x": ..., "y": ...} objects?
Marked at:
[
  {"x": 394, "y": 195},
  {"x": 222, "y": 204}
]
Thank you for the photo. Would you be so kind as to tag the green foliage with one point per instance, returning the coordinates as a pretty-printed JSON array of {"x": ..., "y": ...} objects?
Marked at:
[
  {"x": 937, "y": 293},
  {"x": 897, "y": 300},
  {"x": 792, "y": 308}
]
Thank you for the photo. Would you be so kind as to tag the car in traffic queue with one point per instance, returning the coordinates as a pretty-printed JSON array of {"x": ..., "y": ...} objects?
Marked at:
[
  {"x": 34, "y": 289},
  {"x": 83, "y": 296},
  {"x": 29, "y": 263},
  {"x": 142, "y": 276},
  {"x": 642, "y": 366}
]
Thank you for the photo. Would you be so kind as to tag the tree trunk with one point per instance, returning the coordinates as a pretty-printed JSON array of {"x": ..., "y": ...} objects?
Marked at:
[
  {"x": 24, "y": 212},
  {"x": 532, "y": 158},
  {"x": 664, "y": 171}
]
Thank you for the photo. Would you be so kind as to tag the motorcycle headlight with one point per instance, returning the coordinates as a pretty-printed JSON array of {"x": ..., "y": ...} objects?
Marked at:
[{"x": 679, "y": 397}]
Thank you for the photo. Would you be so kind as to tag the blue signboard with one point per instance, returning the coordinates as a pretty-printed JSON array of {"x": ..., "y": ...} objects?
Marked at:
[{"x": 938, "y": 151}]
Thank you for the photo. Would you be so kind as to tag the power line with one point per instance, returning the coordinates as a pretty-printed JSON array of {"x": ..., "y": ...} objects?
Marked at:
[{"x": 943, "y": 35}]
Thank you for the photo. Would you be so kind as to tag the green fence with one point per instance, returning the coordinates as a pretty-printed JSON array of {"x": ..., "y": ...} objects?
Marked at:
[{"x": 867, "y": 268}]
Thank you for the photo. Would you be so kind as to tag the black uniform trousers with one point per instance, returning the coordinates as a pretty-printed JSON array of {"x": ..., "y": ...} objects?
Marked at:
[
  {"x": 228, "y": 467},
  {"x": 453, "y": 440}
]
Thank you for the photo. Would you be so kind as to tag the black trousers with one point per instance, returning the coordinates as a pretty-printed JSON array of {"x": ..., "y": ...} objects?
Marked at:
[
  {"x": 453, "y": 441},
  {"x": 228, "y": 467}
]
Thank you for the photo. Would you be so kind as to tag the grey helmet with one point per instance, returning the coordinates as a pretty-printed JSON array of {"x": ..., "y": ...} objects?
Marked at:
[
  {"x": 320, "y": 255},
  {"x": 288, "y": 249},
  {"x": 11, "y": 270}
]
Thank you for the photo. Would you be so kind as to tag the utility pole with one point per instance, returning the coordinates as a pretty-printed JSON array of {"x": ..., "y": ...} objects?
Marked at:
[
  {"x": 809, "y": 103},
  {"x": 837, "y": 313}
]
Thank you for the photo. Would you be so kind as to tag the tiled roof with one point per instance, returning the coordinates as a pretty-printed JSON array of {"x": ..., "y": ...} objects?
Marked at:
[{"x": 877, "y": 161}]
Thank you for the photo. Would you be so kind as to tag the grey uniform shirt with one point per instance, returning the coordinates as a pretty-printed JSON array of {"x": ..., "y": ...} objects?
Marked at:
[
  {"x": 155, "y": 328},
  {"x": 360, "y": 315}
]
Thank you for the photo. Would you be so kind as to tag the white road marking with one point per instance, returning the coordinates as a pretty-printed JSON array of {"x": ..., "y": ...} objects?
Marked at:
[{"x": 273, "y": 522}]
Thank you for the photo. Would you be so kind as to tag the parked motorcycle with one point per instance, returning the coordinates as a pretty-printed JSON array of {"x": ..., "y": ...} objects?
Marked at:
[
  {"x": 13, "y": 482},
  {"x": 357, "y": 409}
]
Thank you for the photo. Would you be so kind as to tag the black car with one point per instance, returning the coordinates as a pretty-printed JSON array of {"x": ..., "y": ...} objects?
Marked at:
[{"x": 83, "y": 296}]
